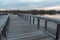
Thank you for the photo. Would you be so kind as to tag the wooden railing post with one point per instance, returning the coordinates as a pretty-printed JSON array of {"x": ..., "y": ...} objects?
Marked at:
[
  {"x": 30, "y": 20},
  {"x": 27, "y": 18},
  {"x": 4, "y": 32},
  {"x": 45, "y": 25},
  {"x": 0, "y": 36},
  {"x": 57, "y": 32},
  {"x": 7, "y": 28},
  {"x": 38, "y": 23},
  {"x": 24, "y": 17},
  {"x": 33, "y": 20}
]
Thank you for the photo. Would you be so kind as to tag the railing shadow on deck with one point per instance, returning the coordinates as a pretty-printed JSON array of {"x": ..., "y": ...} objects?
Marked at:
[
  {"x": 56, "y": 34},
  {"x": 4, "y": 22}
]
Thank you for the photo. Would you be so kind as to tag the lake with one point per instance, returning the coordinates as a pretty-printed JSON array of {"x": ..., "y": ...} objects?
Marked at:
[{"x": 51, "y": 26}]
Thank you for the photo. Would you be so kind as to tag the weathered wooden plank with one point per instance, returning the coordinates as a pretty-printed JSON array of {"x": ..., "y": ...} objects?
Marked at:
[{"x": 24, "y": 31}]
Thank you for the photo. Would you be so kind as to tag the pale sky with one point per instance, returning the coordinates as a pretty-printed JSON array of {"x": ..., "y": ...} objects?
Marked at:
[{"x": 30, "y": 4}]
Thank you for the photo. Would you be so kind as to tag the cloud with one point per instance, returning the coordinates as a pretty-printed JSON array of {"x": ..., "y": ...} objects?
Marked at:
[
  {"x": 52, "y": 8},
  {"x": 28, "y": 4}
]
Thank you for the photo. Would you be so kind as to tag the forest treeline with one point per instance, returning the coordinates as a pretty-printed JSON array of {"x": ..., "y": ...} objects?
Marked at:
[{"x": 35, "y": 12}]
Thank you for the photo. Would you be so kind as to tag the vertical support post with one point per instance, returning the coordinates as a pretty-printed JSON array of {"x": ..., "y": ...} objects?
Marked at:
[
  {"x": 38, "y": 23},
  {"x": 0, "y": 36},
  {"x": 4, "y": 32},
  {"x": 7, "y": 28},
  {"x": 45, "y": 25},
  {"x": 57, "y": 32},
  {"x": 27, "y": 18},
  {"x": 33, "y": 20},
  {"x": 24, "y": 17},
  {"x": 30, "y": 20}
]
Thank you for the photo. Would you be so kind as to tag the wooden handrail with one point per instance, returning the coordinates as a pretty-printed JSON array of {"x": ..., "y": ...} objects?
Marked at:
[
  {"x": 3, "y": 26},
  {"x": 46, "y": 19}
]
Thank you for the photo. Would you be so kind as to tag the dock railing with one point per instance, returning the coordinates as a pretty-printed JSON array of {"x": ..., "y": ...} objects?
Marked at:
[
  {"x": 4, "y": 22},
  {"x": 53, "y": 34}
]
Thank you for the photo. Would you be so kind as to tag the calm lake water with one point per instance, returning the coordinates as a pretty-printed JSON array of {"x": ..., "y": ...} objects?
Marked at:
[{"x": 51, "y": 26}]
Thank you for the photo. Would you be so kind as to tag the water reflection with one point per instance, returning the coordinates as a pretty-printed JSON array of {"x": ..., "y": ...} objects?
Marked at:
[{"x": 51, "y": 26}]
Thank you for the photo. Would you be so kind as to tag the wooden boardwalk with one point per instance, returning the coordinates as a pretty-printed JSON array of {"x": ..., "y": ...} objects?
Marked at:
[{"x": 19, "y": 29}]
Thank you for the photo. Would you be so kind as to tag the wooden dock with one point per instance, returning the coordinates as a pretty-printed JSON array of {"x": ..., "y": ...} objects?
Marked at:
[{"x": 19, "y": 29}]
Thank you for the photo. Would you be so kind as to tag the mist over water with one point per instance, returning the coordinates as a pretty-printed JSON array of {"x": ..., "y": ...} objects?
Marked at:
[{"x": 51, "y": 16}]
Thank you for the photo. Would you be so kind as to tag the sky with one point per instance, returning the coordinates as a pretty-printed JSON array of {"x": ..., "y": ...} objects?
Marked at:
[{"x": 30, "y": 4}]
